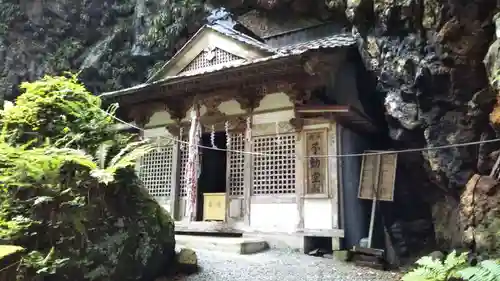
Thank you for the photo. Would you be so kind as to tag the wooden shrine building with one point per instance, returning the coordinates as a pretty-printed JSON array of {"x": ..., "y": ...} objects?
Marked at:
[{"x": 298, "y": 92}]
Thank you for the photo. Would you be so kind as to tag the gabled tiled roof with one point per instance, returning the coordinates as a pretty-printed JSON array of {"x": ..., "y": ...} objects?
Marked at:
[
  {"x": 241, "y": 37},
  {"x": 334, "y": 41},
  {"x": 330, "y": 42}
]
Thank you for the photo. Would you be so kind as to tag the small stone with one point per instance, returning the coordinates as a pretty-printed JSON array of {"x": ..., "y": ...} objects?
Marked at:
[
  {"x": 187, "y": 261},
  {"x": 328, "y": 256},
  {"x": 437, "y": 255},
  {"x": 341, "y": 255}
]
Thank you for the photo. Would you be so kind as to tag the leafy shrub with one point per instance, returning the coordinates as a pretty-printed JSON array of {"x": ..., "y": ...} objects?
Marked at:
[
  {"x": 68, "y": 192},
  {"x": 454, "y": 267},
  {"x": 61, "y": 109}
]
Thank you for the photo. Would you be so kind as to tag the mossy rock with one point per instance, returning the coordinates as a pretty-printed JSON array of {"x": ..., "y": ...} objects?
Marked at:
[
  {"x": 8, "y": 250},
  {"x": 187, "y": 261},
  {"x": 141, "y": 245},
  {"x": 9, "y": 257}
]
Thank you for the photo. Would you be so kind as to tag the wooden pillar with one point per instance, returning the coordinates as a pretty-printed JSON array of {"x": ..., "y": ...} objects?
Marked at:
[
  {"x": 176, "y": 174},
  {"x": 333, "y": 182},
  {"x": 333, "y": 139},
  {"x": 228, "y": 186},
  {"x": 300, "y": 169},
  {"x": 248, "y": 173},
  {"x": 300, "y": 179},
  {"x": 140, "y": 121},
  {"x": 340, "y": 186}
]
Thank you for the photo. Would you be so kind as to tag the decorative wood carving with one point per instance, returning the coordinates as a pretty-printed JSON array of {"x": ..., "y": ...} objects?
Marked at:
[
  {"x": 284, "y": 127},
  {"x": 212, "y": 103},
  {"x": 250, "y": 98},
  {"x": 178, "y": 107},
  {"x": 298, "y": 96},
  {"x": 174, "y": 129},
  {"x": 141, "y": 113},
  {"x": 236, "y": 124},
  {"x": 297, "y": 124},
  {"x": 247, "y": 103},
  {"x": 213, "y": 115},
  {"x": 216, "y": 119}
]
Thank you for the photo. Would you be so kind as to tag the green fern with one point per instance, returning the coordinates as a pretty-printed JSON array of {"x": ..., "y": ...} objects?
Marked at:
[
  {"x": 454, "y": 266},
  {"x": 488, "y": 270},
  {"x": 125, "y": 158},
  {"x": 431, "y": 269}
]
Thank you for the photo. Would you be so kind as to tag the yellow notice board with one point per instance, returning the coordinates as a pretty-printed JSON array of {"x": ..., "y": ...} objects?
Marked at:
[{"x": 378, "y": 176}]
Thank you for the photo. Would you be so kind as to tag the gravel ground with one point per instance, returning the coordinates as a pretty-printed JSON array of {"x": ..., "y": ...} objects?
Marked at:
[{"x": 280, "y": 265}]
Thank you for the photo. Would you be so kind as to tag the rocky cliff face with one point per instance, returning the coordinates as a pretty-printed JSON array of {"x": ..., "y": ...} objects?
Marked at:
[
  {"x": 428, "y": 60},
  {"x": 114, "y": 44},
  {"x": 427, "y": 56}
]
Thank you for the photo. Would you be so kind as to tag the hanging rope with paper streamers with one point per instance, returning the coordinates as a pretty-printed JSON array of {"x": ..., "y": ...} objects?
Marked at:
[
  {"x": 248, "y": 133},
  {"x": 212, "y": 137},
  {"x": 228, "y": 135}
]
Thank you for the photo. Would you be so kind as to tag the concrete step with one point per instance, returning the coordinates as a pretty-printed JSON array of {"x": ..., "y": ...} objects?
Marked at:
[{"x": 237, "y": 245}]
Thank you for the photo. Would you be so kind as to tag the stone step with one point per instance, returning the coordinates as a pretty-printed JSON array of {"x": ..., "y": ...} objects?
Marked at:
[{"x": 237, "y": 245}]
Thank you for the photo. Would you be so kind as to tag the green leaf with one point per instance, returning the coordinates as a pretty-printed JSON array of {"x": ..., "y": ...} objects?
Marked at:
[{"x": 42, "y": 199}]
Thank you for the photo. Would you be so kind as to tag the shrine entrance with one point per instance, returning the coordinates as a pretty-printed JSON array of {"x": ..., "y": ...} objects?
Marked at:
[{"x": 212, "y": 180}]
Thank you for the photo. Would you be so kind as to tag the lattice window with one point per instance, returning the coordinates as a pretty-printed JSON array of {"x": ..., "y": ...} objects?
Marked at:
[
  {"x": 274, "y": 173},
  {"x": 183, "y": 189},
  {"x": 210, "y": 57},
  {"x": 236, "y": 166},
  {"x": 156, "y": 172}
]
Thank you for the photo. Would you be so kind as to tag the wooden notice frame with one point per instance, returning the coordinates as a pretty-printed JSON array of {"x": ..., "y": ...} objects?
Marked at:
[
  {"x": 386, "y": 171},
  {"x": 322, "y": 168}
]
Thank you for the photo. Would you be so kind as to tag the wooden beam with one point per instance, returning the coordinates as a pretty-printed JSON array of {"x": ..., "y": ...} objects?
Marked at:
[
  {"x": 321, "y": 232},
  {"x": 346, "y": 115},
  {"x": 221, "y": 86},
  {"x": 205, "y": 227}
]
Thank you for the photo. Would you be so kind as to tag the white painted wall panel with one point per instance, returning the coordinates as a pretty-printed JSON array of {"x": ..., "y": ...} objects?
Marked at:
[
  {"x": 159, "y": 118},
  {"x": 156, "y": 132},
  {"x": 273, "y": 117},
  {"x": 274, "y": 101},
  {"x": 317, "y": 213},
  {"x": 268, "y": 217}
]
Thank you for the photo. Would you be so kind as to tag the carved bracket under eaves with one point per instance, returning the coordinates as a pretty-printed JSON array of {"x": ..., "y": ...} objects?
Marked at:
[
  {"x": 250, "y": 99},
  {"x": 297, "y": 124},
  {"x": 298, "y": 96},
  {"x": 236, "y": 124},
  {"x": 177, "y": 107},
  {"x": 141, "y": 113},
  {"x": 174, "y": 129}
]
